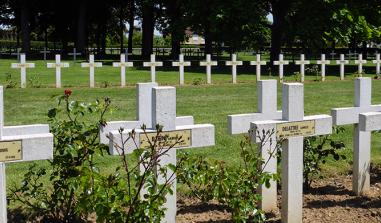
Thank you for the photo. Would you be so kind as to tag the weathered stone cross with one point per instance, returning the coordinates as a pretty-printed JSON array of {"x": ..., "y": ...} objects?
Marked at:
[
  {"x": 45, "y": 51},
  {"x": 361, "y": 139},
  {"x": 332, "y": 55},
  {"x": 122, "y": 64},
  {"x": 377, "y": 61},
  {"x": 323, "y": 62},
  {"x": 23, "y": 65},
  {"x": 342, "y": 63},
  {"x": 58, "y": 65},
  {"x": 258, "y": 64},
  {"x": 18, "y": 144},
  {"x": 164, "y": 114},
  {"x": 293, "y": 127},
  {"x": 267, "y": 109},
  {"x": 302, "y": 63},
  {"x": 234, "y": 63},
  {"x": 91, "y": 65},
  {"x": 181, "y": 64},
  {"x": 208, "y": 64},
  {"x": 281, "y": 63},
  {"x": 360, "y": 62},
  {"x": 153, "y": 64},
  {"x": 74, "y": 54}
]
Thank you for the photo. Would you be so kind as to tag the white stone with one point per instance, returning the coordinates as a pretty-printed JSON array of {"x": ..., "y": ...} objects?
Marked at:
[
  {"x": 234, "y": 63},
  {"x": 258, "y": 64},
  {"x": 302, "y": 63},
  {"x": 164, "y": 113},
  {"x": 342, "y": 63},
  {"x": 281, "y": 63},
  {"x": 36, "y": 142},
  {"x": 323, "y": 62},
  {"x": 153, "y": 64},
  {"x": 361, "y": 139},
  {"x": 208, "y": 64},
  {"x": 45, "y": 51},
  {"x": 267, "y": 109},
  {"x": 91, "y": 65},
  {"x": 292, "y": 148},
  {"x": 123, "y": 64},
  {"x": 22, "y": 66},
  {"x": 377, "y": 61},
  {"x": 181, "y": 64},
  {"x": 74, "y": 54},
  {"x": 360, "y": 62},
  {"x": 58, "y": 65}
]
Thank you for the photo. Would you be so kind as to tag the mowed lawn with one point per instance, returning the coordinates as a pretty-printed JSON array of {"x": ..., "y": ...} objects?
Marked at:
[{"x": 207, "y": 103}]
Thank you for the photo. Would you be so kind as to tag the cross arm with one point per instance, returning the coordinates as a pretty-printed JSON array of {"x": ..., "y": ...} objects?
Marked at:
[
  {"x": 350, "y": 115},
  {"x": 240, "y": 123},
  {"x": 185, "y": 63},
  {"x": 370, "y": 121},
  {"x": 258, "y": 62},
  {"x": 127, "y": 64}
]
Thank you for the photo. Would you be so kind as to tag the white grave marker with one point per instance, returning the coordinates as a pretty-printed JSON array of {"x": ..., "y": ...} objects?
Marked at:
[
  {"x": 208, "y": 64},
  {"x": 258, "y": 64},
  {"x": 360, "y": 62},
  {"x": 292, "y": 128},
  {"x": 153, "y": 64},
  {"x": 122, "y": 64},
  {"x": 18, "y": 144},
  {"x": 234, "y": 63},
  {"x": 23, "y": 65},
  {"x": 302, "y": 63},
  {"x": 164, "y": 114},
  {"x": 91, "y": 65},
  {"x": 342, "y": 63},
  {"x": 45, "y": 51},
  {"x": 58, "y": 65},
  {"x": 281, "y": 63},
  {"x": 267, "y": 109},
  {"x": 323, "y": 62},
  {"x": 74, "y": 54},
  {"x": 332, "y": 55},
  {"x": 181, "y": 64},
  {"x": 17, "y": 53},
  {"x": 361, "y": 139},
  {"x": 377, "y": 61}
]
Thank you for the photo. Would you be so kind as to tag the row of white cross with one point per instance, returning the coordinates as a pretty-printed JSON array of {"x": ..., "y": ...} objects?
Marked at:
[
  {"x": 208, "y": 64},
  {"x": 157, "y": 105}
]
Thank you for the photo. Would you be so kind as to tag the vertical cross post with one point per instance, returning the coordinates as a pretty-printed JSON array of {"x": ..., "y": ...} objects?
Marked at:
[
  {"x": 122, "y": 64},
  {"x": 258, "y": 64},
  {"x": 91, "y": 65},
  {"x": 58, "y": 65},
  {"x": 234, "y": 63},
  {"x": 22, "y": 66},
  {"x": 360, "y": 62},
  {"x": 181, "y": 64},
  {"x": 208, "y": 64},
  {"x": 302, "y": 63},
  {"x": 377, "y": 61},
  {"x": 323, "y": 62},
  {"x": 342, "y": 63},
  {"x": 281, "y": 63},
  {"x": 153, "y": 64}
]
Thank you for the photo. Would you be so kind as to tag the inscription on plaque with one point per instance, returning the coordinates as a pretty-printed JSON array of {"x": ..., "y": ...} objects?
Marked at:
[
  {"x": 291, "y": 129},
  {"x": 175, "y": 139},
  {"x": 10, "y": 151}
]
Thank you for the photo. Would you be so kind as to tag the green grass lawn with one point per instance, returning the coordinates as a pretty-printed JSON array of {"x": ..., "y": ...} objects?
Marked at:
[{"x": 207, "y": 103}]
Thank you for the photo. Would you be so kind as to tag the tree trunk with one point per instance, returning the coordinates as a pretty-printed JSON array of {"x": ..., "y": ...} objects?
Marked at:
[
  {"x": 121, "y": 26},
  {"x": 176, "y": 27},
  {"x": 82, "y": 26},
  {"x": 148, "y": 29},
  {"x": 208, "y": 41},
  {"x": 25, "y": 26},
  {"x": 131, "y": 24}
]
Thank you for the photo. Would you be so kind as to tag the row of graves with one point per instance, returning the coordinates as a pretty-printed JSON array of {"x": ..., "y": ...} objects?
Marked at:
[
  {"x": 208, "y": 63},
  {"x": 157, "y": 105}
]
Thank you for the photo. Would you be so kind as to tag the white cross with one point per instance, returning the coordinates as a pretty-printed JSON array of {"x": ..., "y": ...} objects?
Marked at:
[
  {"x": 23, "y": 65},
  {"x": 258, "y": 64},
  {"x": 58, "y": 65},
  {"x": 74, "y": 54},
  {"x": 44, "y": 52},
  {"x": 267, "y": 109},
  {"x": 342, "y": 63},
  {"x": 18, "y": 144},
  {"x": 360, "y": 62},
  {"x": 332, "y": 54},
  {"x": 361, "y": 139},
  {"x": 181, "y": 64},
  {"x": 122, "y": 64},
  {"x": 164, "y": 114},
  {"x": 208, "y": 64},
  {"x": 234, "y": 63},
  {"x": 302, "y": 63},
  {"x": 292, "y": 128},
  {"x": 281, "y": 63},
  {"x": 323, "y": 63},
  {"x": 153, "y": 64},
  {"x": 143, "y": 114},
  {"x": 17, "y": 53},
  {"x": 377, "y": 61},
  {"x": 91, "y": 65}
]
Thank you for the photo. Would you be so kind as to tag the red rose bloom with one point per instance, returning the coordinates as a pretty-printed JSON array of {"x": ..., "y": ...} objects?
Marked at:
[{"x": 68, "y": 92}]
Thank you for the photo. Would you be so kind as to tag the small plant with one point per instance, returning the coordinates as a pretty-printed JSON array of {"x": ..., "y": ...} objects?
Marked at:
[
  {"x": 314, "y": 71},
  {"x": 34, "y": 82},
  {"x": 357, "y": 74},
  {"x": 9, "y": 82},
  {"x": 105, "y": 84},
  {"x": 197, "y": 81},
  {"x": 297, "y": 76}
]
